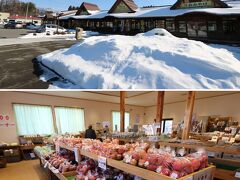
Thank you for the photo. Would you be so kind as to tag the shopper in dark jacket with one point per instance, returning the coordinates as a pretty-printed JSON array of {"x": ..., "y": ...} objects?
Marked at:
[{"x": 90, "y": 133}]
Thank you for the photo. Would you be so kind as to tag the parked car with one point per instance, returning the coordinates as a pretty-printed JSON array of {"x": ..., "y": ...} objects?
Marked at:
[
  {"x": 50, "y": 28},
  {"x": 13, "y": 25},
  {"x": 31, "y": 26}
]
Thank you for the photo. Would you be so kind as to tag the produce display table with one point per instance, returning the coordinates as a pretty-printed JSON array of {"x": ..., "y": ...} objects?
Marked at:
[
  {"x": 204, "y": 174},
  {"x": 223, "y": 149},
  {"x": 2, "y": 148},
  {"x": 26, "y": 149},
  {"x": 54, "y": 171},
  {"x": 16, "y": 157},
  {"x": 220, "y": 173}
]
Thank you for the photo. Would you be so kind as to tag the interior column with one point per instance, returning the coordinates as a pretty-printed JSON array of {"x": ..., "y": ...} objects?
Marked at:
[
  {"x": 122, "y": 110},
  {"x": 160, "y": 102},
  {"x": 188, "y": 114}
]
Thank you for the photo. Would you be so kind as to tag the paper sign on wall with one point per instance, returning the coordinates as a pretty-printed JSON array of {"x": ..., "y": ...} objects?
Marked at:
[
  {"x": 4, "y": 117},
  {"x": 102, "y": 162},
  {"x": 4, "y": 121},
  {"x": 137, "y": 118},
  {"x": 106, "y": 123}
]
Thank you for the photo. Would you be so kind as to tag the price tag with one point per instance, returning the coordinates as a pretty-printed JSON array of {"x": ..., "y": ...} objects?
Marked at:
[
  {"x": 189, "y": 178},
  {"x": 237, "y": 175},
  {"x": 55, "y": 171},
  {"x": 57, "y": 148},
  {"x": 211, "y": 154},
  {"x": 102, "y": 162},
  {"x": 46, "y": 164},
  {"x": 32, "y": 155},
  {"x": 76, "y": 154},
  {"x": 214, "y": 139}
]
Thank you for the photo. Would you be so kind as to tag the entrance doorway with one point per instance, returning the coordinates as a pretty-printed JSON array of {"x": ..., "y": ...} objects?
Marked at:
[{"x": 197, "y": 28}]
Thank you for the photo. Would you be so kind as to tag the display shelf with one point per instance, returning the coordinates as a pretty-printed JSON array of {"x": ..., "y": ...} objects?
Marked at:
[
  {"x": 61, "y": 145},
  {"x": 206, "y": 174},
  {"x": 61, "y": 176},
  {"x": 146, "y": 174},
  {"x": 223, "y": 149}
]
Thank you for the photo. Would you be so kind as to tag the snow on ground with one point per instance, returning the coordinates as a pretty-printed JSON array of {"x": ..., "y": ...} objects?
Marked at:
[
  {"x": 151, "y": 60},
  {"x": 42, "y": 37},
  {"x": 45, "y": 35},
  {"x": 52, "y": 35}
]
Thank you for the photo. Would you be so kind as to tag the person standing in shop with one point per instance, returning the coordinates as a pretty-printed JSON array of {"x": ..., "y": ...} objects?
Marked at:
[{"x": 90, "y": 133}]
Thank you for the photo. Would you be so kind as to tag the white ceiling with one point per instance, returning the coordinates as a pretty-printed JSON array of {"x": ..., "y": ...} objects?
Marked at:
[{"x": 139, "y": 98}]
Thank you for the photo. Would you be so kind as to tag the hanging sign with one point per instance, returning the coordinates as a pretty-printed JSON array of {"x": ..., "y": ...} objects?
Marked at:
[
  {"x": 102, "y": 162},
  {"x": 197, "y": 4}
]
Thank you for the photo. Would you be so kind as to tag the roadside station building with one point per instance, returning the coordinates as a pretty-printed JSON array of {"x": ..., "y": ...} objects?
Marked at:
[
  {"x": 206, "y": 20},
  {"x": 28, "y": 19},
  {"x": 4, "y": 16}
]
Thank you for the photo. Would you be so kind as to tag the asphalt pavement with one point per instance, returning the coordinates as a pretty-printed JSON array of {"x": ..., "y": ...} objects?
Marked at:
[
  {"x": 16, "y": 67},
  {"x": 13, "y": 33}
]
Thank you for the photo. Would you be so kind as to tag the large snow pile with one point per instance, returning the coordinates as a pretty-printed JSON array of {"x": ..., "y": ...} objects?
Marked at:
[{"x": 155, "y": 59}]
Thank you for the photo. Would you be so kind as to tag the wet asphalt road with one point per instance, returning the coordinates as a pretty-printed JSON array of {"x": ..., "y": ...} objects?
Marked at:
[
  {"x": 13, "y": 33},
  {"x": 16, "y": 67}
]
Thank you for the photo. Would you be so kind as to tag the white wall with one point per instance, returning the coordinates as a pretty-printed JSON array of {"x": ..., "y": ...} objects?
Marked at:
[
  {"x": 227, "y": 105},
  {"x": 94, "y": 111}
]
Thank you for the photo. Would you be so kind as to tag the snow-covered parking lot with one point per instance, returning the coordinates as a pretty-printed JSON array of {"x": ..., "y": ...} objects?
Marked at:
[{"x": 152, "y": 60}]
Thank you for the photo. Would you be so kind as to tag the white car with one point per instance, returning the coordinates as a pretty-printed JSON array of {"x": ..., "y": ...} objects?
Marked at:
[{"x": 51, "y": 28}]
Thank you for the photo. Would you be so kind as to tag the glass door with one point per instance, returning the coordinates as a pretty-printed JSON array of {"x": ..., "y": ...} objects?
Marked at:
[{"x": 197, "y": 29}]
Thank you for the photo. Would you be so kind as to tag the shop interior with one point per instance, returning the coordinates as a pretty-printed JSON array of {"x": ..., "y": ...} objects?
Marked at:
[{"x": 120, "y": 135}]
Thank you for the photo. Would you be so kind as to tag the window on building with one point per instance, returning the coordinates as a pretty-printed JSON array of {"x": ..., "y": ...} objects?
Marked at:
[
  {"x": 170, "y": 25},
  {"x": 212, "y": 26},
  {"x": 182, "y": 27},
  {"x": 166, "y": 127},
  {"x": 116, "y": 120},
  {"x": 33, "y": 119},
  {"x": 230, "y": 26},
  {"x": 110, "y": 24},
  {"x": 69, "y": 120},
  {"x": 160, "y": 24}
]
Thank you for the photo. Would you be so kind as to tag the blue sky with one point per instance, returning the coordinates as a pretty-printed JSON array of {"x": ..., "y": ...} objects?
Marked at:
[{"x": 103, "y": 4}]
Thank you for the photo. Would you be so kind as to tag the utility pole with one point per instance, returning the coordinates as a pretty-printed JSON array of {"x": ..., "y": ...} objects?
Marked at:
[{"x": 26, "y": 12}]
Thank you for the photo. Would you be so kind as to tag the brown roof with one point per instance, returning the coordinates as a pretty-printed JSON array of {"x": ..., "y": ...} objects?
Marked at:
[
  {"x": 129, "y": 3},
  {"x": 221, "y": 4},
  {"x": 88, "y": 7},
  {"x": 91, "y": 7}
]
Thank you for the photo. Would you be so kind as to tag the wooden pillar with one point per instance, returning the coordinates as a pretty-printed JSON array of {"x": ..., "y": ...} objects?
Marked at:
[
  {"x": 122, "y": 110},
  {"x": 188, "y": 114},
  {"x": 160, "y": 102}
]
